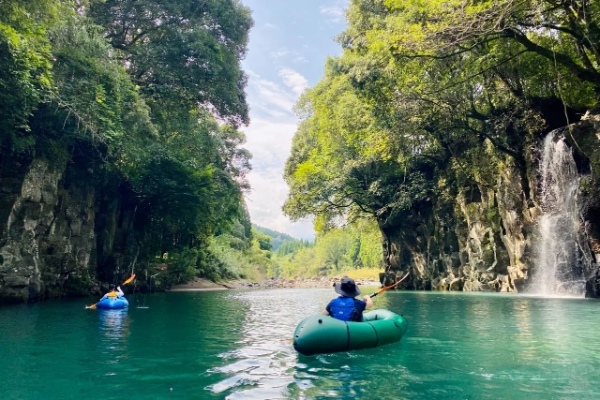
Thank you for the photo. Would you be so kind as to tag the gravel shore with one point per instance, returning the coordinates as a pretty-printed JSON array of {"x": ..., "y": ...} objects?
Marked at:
[{"x": 199, "y": 284}]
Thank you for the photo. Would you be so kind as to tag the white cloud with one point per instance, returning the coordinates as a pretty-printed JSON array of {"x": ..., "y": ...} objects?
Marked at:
[
  {"x": 293, "y": 80},
  {"x": 269, "y": 139},
  {"x": 270, "y": 143},
  {"x": 336, "y": 11},
  {"x": 286, "y": 54},
  {"x": 266, "y": 97},
  {"x": 300, "y": 59},
  {"x": 265, "y": 202},
  {"x": 279, "y": 53}
]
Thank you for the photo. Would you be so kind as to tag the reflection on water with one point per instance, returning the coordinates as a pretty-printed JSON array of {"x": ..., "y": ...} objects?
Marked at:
[
  {"x": 262, "y": 362},
  {"x": 265, "y": 365},
  {"x": 457, "y": 346},
  {"x": 114, "y": 326},
  {"x": 237, "y": 345}
]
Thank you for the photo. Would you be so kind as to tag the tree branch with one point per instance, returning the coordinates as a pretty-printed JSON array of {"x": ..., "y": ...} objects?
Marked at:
[{"x": 563, "y": 59}]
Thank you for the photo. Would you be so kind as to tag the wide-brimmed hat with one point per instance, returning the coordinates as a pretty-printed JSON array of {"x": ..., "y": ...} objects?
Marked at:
[{"x": 347, "y": 287}]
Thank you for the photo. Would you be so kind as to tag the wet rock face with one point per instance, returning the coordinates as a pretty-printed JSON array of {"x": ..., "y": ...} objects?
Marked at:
[
  {"x": 585, "y": 138},
  {"x": 483, "y": 239},
  {"x": 54, "y": 236},
  {"x": 479, "y": 242},
  {"x": 46, "y": 233},
  {"x": 493, "y": 239},
  {"x": 592, "y": 286}
]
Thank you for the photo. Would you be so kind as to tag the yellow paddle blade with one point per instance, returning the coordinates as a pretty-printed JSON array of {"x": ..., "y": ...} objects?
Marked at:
[
  {"x": 92, "y": 307},
  {"x": 132, "y": 277}
]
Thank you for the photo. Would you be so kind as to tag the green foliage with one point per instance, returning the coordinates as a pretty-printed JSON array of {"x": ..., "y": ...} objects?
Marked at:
[
  {"x": 25, "y": 65},
  {"x": 291, "y": 246},
  {"x": 301, "y": 263},
  {"x": 97, "y": 103},
  {"x": 370, "y": 254},
  {"x": 277, "y": 238},
  {"x": 182, "y": 49},
  {"x": 263, "y": 241},
  {"x": 350, "y": 163},
  {"x": 226, "y": 262},
  {"x": 182, "y": 267},
  {"x": 128, "y": 91},
  {"x": 333, "y": 251},
  {"x": 357, "y": 246},
  {"x": 430, "y": 97}
]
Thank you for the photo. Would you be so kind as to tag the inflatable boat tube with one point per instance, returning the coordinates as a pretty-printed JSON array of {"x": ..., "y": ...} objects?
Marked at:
[
  {"x": 112, "y": 303},
  {"x": 324, "y": 334}
]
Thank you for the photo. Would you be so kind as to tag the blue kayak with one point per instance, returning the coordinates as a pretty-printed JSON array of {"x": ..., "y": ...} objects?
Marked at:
[{"x": 112, "y": 303}]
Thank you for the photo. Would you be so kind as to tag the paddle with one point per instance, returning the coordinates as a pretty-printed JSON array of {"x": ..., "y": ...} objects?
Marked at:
[
  {"x": 383, "y": 289},
  {"x": 128, "y": 280}
]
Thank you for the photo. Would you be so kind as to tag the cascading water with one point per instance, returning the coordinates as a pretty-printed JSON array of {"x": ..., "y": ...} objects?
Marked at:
[{"x": 559, "y": 267}]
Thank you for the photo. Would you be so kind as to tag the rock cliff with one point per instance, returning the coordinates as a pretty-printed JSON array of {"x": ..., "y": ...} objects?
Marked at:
[
  {"x": 62, "y": 230},
  {"x": 481, "y": 238},
  {"x": 47, "y": 232}
]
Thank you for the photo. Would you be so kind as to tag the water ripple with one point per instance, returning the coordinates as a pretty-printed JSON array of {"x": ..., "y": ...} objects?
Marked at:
[
  {"x": 237, "y": 345},
  {"x": 470, "y": 347}
]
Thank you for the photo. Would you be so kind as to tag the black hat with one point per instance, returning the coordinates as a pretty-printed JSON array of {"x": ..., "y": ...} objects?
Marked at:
[
  {"x": 111, "y": 286},
  {"x": 347, "y": 287}
]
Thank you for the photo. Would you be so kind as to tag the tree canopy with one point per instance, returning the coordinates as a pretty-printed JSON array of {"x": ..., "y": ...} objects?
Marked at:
[
  {"x": 184, "y": 49},
  {"x": 425, "y": 91},
  {"x": 148, "y": 96}
]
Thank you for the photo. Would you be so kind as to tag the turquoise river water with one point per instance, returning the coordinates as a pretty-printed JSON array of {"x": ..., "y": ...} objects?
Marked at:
[{"x": 237, "y": 345}]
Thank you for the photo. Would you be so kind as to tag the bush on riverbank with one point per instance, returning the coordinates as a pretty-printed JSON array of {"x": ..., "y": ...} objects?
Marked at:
[
  {"x": 363, "y": 274},
  {"x": 244, "y": 263},
  {"x": 354, "y": 250}
]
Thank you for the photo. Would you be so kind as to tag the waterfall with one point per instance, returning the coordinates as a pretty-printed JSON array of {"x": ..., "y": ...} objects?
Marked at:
[{"x": 559, "y": 266}]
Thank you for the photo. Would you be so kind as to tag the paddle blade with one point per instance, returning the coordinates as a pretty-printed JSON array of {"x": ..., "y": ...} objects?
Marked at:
[
  {"x": 92, "y": 307},
  {"x": 131, "y": 278}
]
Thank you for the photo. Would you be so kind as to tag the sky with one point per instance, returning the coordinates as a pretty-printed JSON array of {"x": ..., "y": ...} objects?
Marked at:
[{"x": 288, "y": 47}]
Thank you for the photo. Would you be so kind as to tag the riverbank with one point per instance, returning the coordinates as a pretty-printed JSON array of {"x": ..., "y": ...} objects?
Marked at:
[{"x": 200, "y": 284}]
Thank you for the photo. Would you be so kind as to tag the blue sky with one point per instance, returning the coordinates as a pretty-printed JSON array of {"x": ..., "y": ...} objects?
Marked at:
[{"x": 289, "y": 43}]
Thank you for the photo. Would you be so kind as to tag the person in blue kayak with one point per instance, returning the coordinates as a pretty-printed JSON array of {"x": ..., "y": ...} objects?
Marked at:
[
  {"x": 346, "y": 307},
  {"x": 112, "y": 293}
]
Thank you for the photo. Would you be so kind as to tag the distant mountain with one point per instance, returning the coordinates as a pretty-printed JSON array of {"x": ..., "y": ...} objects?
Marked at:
[{"x": 277, "y": 238}]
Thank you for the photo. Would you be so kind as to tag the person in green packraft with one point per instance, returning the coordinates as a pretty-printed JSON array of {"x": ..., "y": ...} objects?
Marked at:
[{"x": 346, "y": 307}]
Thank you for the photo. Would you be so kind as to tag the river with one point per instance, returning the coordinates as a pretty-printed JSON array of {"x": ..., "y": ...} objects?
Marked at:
[{"x": 237, "y": 345}]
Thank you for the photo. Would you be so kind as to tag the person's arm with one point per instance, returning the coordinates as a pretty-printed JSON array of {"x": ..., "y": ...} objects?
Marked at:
[
  {"x": 369, "y": 302},
  {"x": 120, "y": 292},
  {"x": 326, "y": 309}
]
